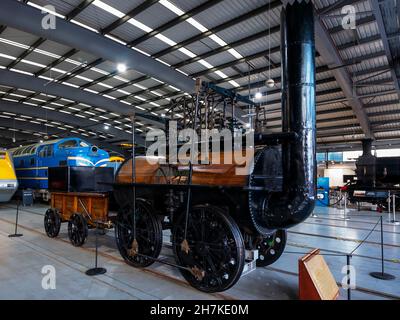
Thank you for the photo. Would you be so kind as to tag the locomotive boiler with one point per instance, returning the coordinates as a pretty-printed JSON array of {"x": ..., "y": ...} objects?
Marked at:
[
  {"x": 375, "y": 177},
  {"x": 215, "y": 214}
]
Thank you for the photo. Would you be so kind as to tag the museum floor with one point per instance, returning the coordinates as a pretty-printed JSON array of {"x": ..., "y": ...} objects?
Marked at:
[{"x": 22, "y": 260}]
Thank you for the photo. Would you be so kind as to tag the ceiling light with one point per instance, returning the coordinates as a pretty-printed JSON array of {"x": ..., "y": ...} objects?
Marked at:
[
  {"x": 106, "y": 127},
  {"x": 121, "y": 67},
  {"x": 270, "y": 83},
  {"x": 258, "y": 95}
]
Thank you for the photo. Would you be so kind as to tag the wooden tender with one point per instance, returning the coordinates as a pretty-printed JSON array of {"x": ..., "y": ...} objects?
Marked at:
[{"x": 81, "y": 210}]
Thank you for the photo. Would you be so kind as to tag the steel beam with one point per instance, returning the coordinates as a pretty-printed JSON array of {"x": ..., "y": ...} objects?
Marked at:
[
  {"x": 78, "y": 122},
  {"x": 19, "y": 136},
  {"x": 377, "y": 10},
  {"x": 332, "y": 58},
  {"x": 29, "y": 19},
  {"x": 18, "y": 80},
  {"x": 196, "y": 10},
  {"x": 36, "y": 128},
  {"x": 134, "y": 12}
]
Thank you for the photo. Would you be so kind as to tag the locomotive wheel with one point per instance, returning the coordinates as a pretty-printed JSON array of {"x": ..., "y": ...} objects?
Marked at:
[
  {"x": 271, "y": 248},
  {"x": 52, "y": 223},
  {"x": 213, "y": 251},
  {"x": 139, "y": 253},
  {"x": 77, "y": 230}
]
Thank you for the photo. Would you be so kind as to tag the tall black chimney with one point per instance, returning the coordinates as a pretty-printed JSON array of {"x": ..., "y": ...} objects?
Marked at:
[
  {"x": 296, "y": 202},
  {"x": 367, "y": 146}
]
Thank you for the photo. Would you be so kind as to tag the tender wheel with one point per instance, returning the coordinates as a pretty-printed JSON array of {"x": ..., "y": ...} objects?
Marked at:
[
  {"x": 148, "y": 242},
  {"x": 213, "y": 252},
  {"x": 52, "y": 223},
  {"x": 77, "y": 230},
  {"x": 271, "y": 248}
]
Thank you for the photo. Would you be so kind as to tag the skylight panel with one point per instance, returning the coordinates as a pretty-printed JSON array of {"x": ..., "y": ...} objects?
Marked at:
[
  {"x": 234, "y": 83},
  {"x": 141, "y": 51},
  {"x": 84, "y": 26},
  {"x": 140, "y": 25},
  {"x": 197, "y": 25},
  {"x": 44, "y": 9},
  {"x": 47, "y": 107},
  {"x": 218, "y": 40},
  {"x": 187, "y": 52},
  {"x": 140, "y": 98},
  {"x": 163, "y": 62},
  {"x": 70, "y": 84},
  {"x": 206, "y": 64},
  {"x": 171, "y": 7},
  {"x": 115, "y": 39},
  {"x": 90, "y": 90},
  {"x": 165, "y": 39},
  {"x": 236, "y": 54},
  {"x": 6, "y": 56},
  {"x": 221, "y": 74},
  {"x": 108, "y": 8},
  {"x": 123, "y": 91},
  {"x": 23, "y": 72}
]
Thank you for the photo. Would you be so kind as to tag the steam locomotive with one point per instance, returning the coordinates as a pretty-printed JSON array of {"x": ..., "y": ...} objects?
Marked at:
[
  {"x": 216, "y": 216},
  {"x": 375, "y": 177}
]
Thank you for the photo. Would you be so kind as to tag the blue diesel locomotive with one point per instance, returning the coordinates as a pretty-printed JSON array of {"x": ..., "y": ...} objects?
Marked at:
[{"x": 31, "y": 162}]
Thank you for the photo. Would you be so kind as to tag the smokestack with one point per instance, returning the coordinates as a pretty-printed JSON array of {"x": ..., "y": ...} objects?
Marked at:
[
  {"x": 296, "y": 202},
  {"x": 367, "y": 147}
]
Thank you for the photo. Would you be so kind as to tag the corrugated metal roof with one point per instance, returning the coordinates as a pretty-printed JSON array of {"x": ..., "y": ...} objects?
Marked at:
[{"x": 328, "y": 92}]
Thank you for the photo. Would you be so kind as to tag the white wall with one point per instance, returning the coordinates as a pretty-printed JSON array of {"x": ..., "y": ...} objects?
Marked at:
[{"x": 335, "y": 175}]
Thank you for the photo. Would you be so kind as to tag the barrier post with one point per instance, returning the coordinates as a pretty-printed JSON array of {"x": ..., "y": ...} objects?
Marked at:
[
  {"x": 345, "y": 216},
  {"x": 389, "y": 207},
  {"x": 382, "y": 275},
  {"x": 348, "y": 277},
  {"x": 16, "y": 224},
  {"x": 394, "y": 221},
  {"x": 96, "y": 270}
]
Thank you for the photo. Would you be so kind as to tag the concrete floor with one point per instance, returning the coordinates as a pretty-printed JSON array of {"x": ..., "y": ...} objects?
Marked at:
[{"x": 22, "y": 259}]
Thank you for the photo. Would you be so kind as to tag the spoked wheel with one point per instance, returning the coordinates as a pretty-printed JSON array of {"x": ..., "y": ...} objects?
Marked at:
[
  {"x": 52, "y": 223},
  {"x": 77, "y": 230},
  {"x": 271, "y": 248},
  {"x": 147, "y": 245},
  {"x": 213, "y": 251}
]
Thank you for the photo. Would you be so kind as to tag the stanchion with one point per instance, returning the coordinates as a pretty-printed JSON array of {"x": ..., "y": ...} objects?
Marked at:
[
  {"x": 16, "y": 224},
  {"x": 382, "y": 275},
  {"x": 345, "y": 216},
  {"x": 394, "y": 221},
  {"x": 389, "y": 208},
  {"x": 348, "y": 277},
  {"x": 96, "y": 270}
]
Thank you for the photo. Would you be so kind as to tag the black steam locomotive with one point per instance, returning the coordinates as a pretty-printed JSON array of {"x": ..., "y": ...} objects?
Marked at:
[
  {"x": 375, "y": 177},
  {"x": 214, "y": 215}
]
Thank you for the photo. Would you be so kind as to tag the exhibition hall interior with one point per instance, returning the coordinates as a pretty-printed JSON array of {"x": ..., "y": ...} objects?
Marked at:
[{"x": 218, "y": 150}]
